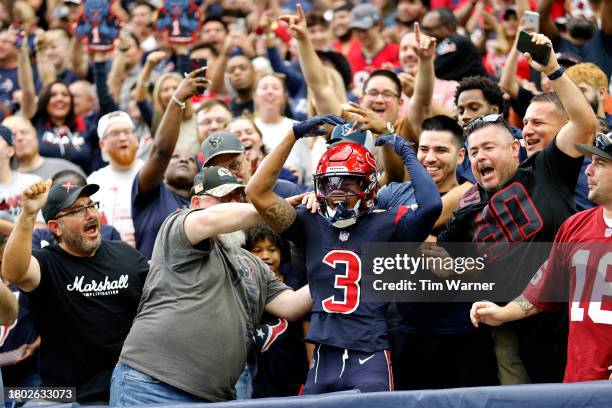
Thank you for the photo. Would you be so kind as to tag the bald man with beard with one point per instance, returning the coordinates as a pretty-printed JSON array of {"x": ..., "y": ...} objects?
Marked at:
[{"x": 119, "y": 143}]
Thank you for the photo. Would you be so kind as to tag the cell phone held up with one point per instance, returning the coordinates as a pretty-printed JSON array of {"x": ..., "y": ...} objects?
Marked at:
[
  {"x": 539, "y": 53},
  {"x": 199, "y": 63}
]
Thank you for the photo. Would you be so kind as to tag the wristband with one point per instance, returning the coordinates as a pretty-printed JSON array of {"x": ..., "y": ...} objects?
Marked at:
[
  {"x": 556, "y": 74},
  {"x": 182, "y": 105}
]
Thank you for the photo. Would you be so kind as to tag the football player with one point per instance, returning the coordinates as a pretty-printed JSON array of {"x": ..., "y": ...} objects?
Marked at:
[{"x": 350, "y": 335}]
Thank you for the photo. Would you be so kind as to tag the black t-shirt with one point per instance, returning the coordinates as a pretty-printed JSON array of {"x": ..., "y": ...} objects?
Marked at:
[
  {"x": 84, "y": 307},
  {"x": 456, "y": 58},
  {"x": 282, "y": 368},
  {"x": 530, "y": 207}
]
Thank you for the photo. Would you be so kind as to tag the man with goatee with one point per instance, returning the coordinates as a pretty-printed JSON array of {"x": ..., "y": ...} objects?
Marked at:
[
  {"x": 119, "y": 143},
  {"x": 202, "y": 302}
]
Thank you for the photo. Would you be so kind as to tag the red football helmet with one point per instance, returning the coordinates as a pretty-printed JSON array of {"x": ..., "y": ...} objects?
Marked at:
[{"x": 346, "y": 169}]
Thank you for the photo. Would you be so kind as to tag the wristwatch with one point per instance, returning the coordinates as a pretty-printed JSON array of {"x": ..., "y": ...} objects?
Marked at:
[{"x": 556, "y": 74}]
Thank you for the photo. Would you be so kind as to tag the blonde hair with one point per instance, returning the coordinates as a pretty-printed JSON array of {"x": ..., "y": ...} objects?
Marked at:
[
  {"x": 158, "y": 106},
  {"x": 588, "y": 73}
]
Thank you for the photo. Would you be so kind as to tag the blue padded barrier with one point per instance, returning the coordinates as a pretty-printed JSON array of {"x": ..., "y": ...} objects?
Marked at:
[{"x": 596, "y": 394}]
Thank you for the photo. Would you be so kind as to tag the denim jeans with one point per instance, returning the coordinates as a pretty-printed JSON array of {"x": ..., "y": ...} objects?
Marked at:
[
  {"x": 132, "y": 387},
  {"x": 244, "y": 385}
]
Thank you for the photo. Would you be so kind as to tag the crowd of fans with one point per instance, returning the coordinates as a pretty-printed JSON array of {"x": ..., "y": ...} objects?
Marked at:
[{"x": 161, "y": 239}]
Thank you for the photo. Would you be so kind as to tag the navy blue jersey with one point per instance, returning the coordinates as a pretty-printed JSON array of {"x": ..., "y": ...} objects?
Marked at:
[
  {"x": 334, "y": 266},
  {"x": 339, "y": 318}
]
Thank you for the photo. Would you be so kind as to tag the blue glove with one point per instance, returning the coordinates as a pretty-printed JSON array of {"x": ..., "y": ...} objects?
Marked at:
[
  {"x": 313, "y": 127},
  {"x": 398, "y": 143}
]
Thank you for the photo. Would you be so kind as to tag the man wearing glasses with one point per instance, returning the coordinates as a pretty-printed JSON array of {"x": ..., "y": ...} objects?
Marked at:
[
  {"x": 576, "y": 270},
  {"x": 86, "y": 290},
  {"x": 119, "y": 143},
  {"x": 523, "y": 203},
  {"x": 202, "y": 302}
]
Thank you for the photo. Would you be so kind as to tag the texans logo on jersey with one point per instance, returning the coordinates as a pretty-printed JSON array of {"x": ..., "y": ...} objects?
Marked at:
[{"x": 267, "y": 334}]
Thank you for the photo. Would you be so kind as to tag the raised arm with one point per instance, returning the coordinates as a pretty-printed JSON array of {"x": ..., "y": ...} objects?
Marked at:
[
  {"x": 420, "y": 103},
  {"x": 78, "y": 58},
  {"x": 606, "y": 16},
  {"x": 107, "y": 103},
  {"x": 118, "y": 70},
  {"x": 152, "y": 172},
  {"x": 26, "y": 82},
  {"x": 216, "y": 72},
  {"x": 508, "y": 80},
  {"x": 419, "y": 222},
  {"x": 18, "y": 264},
  {"x": 547, "y": 25},
  {"x": 312, "y": 67},
  {"x": 366, "y": 119},
  {"x": 276, "y": 212},
  {"x": 142, "y": 84},
  {"x": 582, "y": 120}
]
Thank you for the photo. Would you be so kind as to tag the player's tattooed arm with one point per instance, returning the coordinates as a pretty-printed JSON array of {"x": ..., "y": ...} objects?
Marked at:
[
  {"x": 526, "y": 306},
  {"x": 279, "y": 215}
]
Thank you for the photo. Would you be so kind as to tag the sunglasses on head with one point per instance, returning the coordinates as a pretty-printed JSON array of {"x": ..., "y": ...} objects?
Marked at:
[
  {"x": 603, "y": 141},
  {"x": 490, "y": 118}
]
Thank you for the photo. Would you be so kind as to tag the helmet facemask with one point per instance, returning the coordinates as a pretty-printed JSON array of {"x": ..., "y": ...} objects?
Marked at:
[{"x": 345, "y": 197}]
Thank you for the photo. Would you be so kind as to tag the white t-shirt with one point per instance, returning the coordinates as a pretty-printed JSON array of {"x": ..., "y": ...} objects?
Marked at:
[
  {"x": 10, "y": 195},
  {"x": 115, "y": 196},
  {"x": 300, "y": 156}
]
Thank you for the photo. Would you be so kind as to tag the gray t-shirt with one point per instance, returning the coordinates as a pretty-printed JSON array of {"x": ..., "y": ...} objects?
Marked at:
[
  {"x": 51, "y": 166},
  {"x": 199, "y": 306}
]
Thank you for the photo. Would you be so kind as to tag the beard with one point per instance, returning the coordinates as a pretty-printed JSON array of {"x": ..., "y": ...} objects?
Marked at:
[
  {"x": 77, "y": 241},
  {"x": 123, "y": 157},
  {"x": 232, "y": 240}
]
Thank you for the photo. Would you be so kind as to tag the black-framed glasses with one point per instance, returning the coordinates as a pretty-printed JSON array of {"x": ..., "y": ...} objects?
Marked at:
[
  {"x": 80, "y": 211},
  {"x": 487, "y": 119},
  {"x": 603, "y": 141}
]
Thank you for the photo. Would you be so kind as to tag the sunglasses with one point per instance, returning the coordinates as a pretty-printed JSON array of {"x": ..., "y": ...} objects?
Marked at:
[{"x": 487, "y": 119}]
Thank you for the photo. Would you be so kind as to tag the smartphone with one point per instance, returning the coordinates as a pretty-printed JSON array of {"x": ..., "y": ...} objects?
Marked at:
[
  {"x": 539, "y": 53},
  {"x": 197, "y": 63},
  {"x": 532, "y": 20},
  {"x": 240, "y": 24}
]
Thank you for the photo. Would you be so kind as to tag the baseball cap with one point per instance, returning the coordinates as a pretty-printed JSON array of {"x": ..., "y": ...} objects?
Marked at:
[
  {"x": 602, "y": 147},
  {"x": 6, "y": 134},
  {"x": 216, "y": 181},
  {"x": 106, "y": 120},
  {"x": 509, "y": 11},
  {"x": 63, "y": 195},
  {"x": 341, "y": 133},
  {"x": 220, "y": 143},
  {"x": 364, "y": 16}
]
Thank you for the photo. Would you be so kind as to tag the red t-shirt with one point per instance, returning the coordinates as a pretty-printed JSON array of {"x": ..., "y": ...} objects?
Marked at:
[
  {"x": 580, "y": 266},
  {"x": 362, "y": 67}
]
